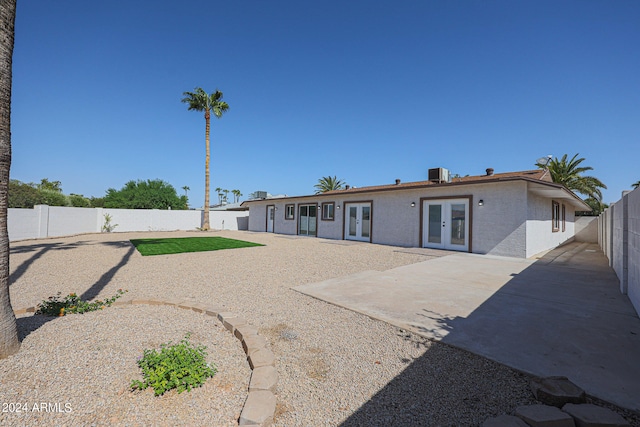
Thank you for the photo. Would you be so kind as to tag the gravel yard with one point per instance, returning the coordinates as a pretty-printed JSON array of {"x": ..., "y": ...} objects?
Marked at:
[{"x": 336, "y": 367}]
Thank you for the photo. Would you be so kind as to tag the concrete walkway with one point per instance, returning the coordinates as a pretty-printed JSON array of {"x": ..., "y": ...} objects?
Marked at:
[{"x": 562, "y": 314}]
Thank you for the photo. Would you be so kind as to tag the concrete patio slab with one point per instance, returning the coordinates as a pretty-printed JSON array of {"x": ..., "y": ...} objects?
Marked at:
[{"x": 562, "y": 314}]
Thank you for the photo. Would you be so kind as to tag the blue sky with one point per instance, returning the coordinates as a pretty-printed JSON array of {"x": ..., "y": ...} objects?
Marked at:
[{"x": 369, "y": 91}]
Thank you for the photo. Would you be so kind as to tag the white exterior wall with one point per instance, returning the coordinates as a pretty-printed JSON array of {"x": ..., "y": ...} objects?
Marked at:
[
  {"x": 586, "y": 229},
  {"x": 633, "y": 248},
  {"x": 498, "y": 227},
  {"x": 540, "y": 236},
  {"x": 257, "y": 217},
  {"x": 153, "y": 219},
  {"x": 325, "y": 229},
  {"x": 45, "y": 221},
  {"x": 25, "y": 223},
  {"x": 619, "y": 238},
  {"x": 63, "y": 221}
]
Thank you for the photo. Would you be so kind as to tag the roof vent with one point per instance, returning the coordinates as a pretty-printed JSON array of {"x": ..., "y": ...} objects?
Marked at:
[
  {"x": 397, "y": 181},
  {"x": 489, "y": 171},
  {"x": 439, "y": 175},
  {"x": 346, "y": 187}
]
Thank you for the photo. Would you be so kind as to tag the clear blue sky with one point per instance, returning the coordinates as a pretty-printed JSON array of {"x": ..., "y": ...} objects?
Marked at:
[{"x": 369, "y": 91}]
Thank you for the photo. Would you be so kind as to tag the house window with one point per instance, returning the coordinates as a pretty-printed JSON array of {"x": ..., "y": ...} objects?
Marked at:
[
  {"x": 289, "y": 211},
  {"x": 328, "y": 210},
  {"x": 564, "y": 219},
  {"x": 555, "y": 216}
]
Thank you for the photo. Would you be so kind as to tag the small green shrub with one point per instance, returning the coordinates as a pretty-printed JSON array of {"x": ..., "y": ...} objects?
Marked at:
[
  {"x": 72, "y": 304},
  {"x": 181, "y": 366},
  {"x": 107, "y": 227}
]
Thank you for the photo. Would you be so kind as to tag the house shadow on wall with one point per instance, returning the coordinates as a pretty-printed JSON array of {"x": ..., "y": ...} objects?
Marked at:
[{"x": 563, "y": 315}]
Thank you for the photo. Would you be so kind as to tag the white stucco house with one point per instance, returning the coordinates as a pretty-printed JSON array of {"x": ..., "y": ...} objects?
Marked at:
[{"x": 517, "y": 214}]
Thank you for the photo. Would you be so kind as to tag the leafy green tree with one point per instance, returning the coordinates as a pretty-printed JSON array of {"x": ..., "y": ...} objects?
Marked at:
[
  {"x": 45, "y": 184},
  {"x": 597, "y": 207},
  {"x": 199, "y": 100},
  {"x": 53, "y": 198},
  {"x": 79, "y": 201},
  {"x": 328, "y": 183},
  {"x": 97, "y": 202},
  {"x": 22, "y": 195},
  {"x": 149, "y": 194},
  {"x": 569, "y": 173},
  {"x": 9, "y": 342}
]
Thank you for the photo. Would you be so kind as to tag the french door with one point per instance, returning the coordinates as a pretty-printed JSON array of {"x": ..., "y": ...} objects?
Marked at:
[
  {"x": 307, "y": 220},
  {"x": 446, "y": 224},
  {"x": 358, "y": 221}
]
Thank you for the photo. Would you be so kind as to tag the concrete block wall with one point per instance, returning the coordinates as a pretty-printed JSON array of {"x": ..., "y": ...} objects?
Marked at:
[
  {"x": 619, "y": 238},
  {"x": 633, "y": 248},
  {"x": 49, "y": 221},
  {"x": 586, "y": 229}
]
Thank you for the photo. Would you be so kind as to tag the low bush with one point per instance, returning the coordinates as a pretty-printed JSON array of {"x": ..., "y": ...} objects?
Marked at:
[
  {"x": 72, "y": 304},
  {"x": 181, "y": 366}
]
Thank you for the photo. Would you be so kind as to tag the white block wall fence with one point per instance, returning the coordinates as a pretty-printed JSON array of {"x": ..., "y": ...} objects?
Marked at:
[
  {"x": 619, "y": 238},
  {"x": 52, "y": 221}
]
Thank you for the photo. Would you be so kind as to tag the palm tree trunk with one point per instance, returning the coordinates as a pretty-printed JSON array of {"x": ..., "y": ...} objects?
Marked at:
[
  {"x": 9, "y": 342},
  {"x": 205, "y": 220}
]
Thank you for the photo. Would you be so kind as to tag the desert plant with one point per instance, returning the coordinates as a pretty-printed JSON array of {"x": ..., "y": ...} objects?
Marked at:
[
  {"x": 72, "y": 304},
  {"x": 181, "y": 366},
  {"x": 107, "y": 227}
]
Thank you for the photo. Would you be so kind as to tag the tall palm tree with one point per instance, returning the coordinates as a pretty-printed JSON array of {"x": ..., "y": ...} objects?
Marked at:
[
  {"x": 219, "y": 193},
  {"x": 9, "y": 342},
  {"x": 186, "y": 189},
  {"x": 328, "y": 183},
  {"x": 569, "y": 173},
  {"x": 226, "y": 195},
  {"x": 236, "y": 195},
  {"x": 200, "y": 100}
]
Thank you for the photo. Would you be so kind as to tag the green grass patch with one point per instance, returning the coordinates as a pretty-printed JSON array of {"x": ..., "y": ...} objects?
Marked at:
[{"x": 180, "y": 245}]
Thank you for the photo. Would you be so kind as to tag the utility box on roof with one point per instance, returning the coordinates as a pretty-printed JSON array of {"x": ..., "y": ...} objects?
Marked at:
[{"x": 439, "y": 175}]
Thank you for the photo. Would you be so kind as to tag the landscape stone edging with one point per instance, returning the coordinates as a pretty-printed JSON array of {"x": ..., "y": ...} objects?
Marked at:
[{"x": 260, "y": 406}]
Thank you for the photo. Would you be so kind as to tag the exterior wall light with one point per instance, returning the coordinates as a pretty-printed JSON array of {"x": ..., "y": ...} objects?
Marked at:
[
  {"x": 481, "y": 202},
  {"x": 413, "y": 204}
]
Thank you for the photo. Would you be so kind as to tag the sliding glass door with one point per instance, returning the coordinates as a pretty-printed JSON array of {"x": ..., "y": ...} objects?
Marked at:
[{"x": 307, "y": 220}]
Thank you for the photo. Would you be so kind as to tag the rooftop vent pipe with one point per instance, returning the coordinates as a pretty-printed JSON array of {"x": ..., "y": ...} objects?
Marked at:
[
  {"x": 397, "y": 182},
  {"x": 489, "y": 171}
]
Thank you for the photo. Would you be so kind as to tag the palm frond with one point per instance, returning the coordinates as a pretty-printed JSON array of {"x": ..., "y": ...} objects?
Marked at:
[
  {"x": 570, "y": 174},
  {"x": 328, "y": 183}
]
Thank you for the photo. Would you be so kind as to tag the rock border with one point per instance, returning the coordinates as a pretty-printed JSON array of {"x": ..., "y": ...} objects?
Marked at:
[{"x": 260, "y": 406}]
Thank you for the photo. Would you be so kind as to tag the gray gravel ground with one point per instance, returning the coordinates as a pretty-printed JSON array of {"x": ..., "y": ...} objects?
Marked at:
[
  {"x": 81, "y": 367},
  {"x": 336, "y": 367}
]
